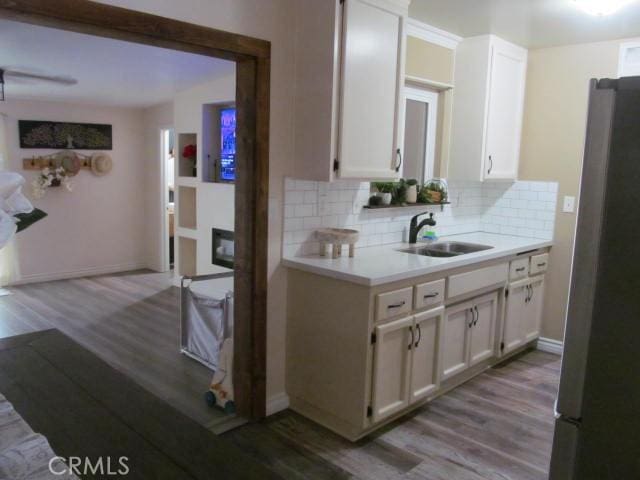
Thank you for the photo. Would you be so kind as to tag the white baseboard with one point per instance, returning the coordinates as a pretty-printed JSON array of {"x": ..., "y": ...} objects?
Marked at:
[
  {"x": 85, "y": 272},
  {"x": 550, "y": 345},
  {"x": 277, "y": 403}
]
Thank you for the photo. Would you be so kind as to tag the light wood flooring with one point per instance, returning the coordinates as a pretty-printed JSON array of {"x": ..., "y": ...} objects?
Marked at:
[
  {"x": 498, "y": 426},
  {"x": 130, "y": 320}
]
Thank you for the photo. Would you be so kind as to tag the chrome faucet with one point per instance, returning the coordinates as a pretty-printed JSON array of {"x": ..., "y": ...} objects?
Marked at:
[{"x": 415, "y": 227}]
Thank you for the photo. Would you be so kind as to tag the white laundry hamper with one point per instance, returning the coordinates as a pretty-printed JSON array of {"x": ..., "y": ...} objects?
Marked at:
[{"x": 206, "y": 331}]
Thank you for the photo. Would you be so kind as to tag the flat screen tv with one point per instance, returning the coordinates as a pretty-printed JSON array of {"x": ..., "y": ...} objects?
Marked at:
[{"x": 227, "y": 171}]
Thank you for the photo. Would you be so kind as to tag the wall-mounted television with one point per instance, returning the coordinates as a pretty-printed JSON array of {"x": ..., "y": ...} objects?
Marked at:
[{"x": 227, "y": 165}]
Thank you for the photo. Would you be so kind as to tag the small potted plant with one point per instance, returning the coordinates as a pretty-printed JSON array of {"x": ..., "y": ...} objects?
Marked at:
[
  {"x": 399, "y": 193},
  {"x": 436, "y": 191},
  {"x": 385, "y": 191},
  {"x": 412, "y": 190}
]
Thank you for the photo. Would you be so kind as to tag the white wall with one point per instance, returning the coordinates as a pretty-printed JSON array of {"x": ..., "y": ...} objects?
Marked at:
[
  {"x": 270, "y": 20},
  {"x": 99, "y": 227},
  {"x": 154, "y": 119},
  {"x": 215, "y": 201}
]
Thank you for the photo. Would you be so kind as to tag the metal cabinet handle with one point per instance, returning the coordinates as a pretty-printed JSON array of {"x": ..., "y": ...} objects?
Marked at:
[
  {"x": 399, "y": 156},
  {"x": 432, "y": 295},
  {"x": 397, "y": 305},
  {"x": 521, "y": 269},
  {"x": 490, "y": 165},
  {"x": 419, "y": 336},
  {"x": 473, "y": 317},
  {"x": 529, "y": 294},
  {"x": 475, "y": 322},
  {"x": 412, "y": 338},
  {"x": 542, "y": 264}
]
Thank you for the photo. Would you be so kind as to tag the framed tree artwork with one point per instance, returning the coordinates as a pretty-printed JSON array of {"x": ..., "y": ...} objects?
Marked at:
[{"x": 64, "y": 135}]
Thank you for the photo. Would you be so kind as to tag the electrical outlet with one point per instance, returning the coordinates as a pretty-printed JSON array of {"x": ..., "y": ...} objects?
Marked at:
[{"x": 569, "y": 204}]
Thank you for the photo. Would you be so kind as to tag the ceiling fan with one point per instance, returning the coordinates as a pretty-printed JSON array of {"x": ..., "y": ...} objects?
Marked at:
[{"x": 7, "y": 73}]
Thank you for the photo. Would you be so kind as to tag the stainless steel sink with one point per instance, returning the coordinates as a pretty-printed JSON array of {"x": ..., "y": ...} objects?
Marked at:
[{"x": 446, "y": 249}]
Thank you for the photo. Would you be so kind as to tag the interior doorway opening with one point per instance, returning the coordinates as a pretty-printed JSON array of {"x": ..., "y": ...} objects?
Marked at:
[{"x": 167, "y": 149}]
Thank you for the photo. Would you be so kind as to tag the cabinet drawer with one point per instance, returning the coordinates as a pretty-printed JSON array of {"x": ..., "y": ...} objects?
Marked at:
[
  {"x": 519, "y": 269},
  {"x": 539, "y": 264},
  {"x": 394, "y": 303},
  {"x": 428, "y": 294},
  {"x": 477, "y": 279}
]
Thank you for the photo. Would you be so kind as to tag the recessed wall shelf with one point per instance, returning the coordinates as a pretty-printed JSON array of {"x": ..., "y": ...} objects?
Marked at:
[
  {"x": 187, "y": 254},
  {"x": 187, "y": 217},
  {"x": 407, "y": 205},
  {"x": 187, "y": 166}
]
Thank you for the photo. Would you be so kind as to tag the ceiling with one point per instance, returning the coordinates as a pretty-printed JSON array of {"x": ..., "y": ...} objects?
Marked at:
[
  {"x": 530, "y": 23},
  {"x": 109, "y": 72}
]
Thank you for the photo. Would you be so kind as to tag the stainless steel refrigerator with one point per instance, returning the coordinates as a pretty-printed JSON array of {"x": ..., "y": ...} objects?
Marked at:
[{"x": 597, "y": 431}]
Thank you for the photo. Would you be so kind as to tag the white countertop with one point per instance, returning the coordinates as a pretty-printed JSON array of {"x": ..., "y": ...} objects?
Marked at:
[{"x": 384, "y": 264}]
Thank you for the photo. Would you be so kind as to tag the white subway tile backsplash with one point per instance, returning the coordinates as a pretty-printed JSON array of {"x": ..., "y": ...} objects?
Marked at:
[{"x": 520, "y": 208}]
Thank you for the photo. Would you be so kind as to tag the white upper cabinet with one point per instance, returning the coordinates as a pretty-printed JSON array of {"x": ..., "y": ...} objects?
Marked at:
[
  {"x": 349, "y": 76},
  {"x": 488, "y": 107}
]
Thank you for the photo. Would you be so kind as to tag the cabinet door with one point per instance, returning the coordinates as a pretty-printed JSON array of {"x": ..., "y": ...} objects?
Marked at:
[
  {"x": 483, "y": 333},
  {"x": 394, "y": 341},
  {"x": 425, "y": 370},
  {"x": 455, "y": 352},
  {"x": 514, "y": 315},
  {"x": 504, "y": 116},
  {"x": 532, "y": 320},
  {"x": 372, "y": 79}
]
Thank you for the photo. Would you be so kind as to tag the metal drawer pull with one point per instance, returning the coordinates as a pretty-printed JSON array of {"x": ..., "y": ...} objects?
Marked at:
[
  {"x": 412, "y": 339},
  {"x": 397, "y": 305},
  {"x": 419, "y": 336},
  {"x": 521, "y": 269},
  {"x": 399, "y": 156},
  {"x": 475, "y": 322},
  {"x": 542, "y": 264},
  {"x": 432, "y": 295},
  {"x": 473, "y": 317}
]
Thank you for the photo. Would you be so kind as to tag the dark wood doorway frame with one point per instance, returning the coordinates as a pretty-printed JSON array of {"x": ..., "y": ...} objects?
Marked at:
[{"x": 252, "y": 57}]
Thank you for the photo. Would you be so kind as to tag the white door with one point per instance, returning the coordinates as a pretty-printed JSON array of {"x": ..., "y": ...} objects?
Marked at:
[
  {"x": 425, "y": 354},
  {"x": 455, "y": 353},
  {"x": 483, "y": 331},
  {"x": 533, "y": 318},
  {"x": 504, "y": 116},
  {"x": 372, "y": 77},
  {"x": 394, "y": 341},
  {"x": 514, "y": 315}
]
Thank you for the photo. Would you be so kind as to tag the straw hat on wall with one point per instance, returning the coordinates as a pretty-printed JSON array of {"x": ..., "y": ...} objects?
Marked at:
[{"x": 101, "y": 164}]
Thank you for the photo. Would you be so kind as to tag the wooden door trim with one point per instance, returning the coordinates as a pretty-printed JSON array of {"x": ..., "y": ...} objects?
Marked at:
[{"x": 252, "y": 57}]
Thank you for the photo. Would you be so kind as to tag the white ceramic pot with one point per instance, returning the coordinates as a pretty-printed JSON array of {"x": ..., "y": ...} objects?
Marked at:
[
  {"x": 386, "y": 198},
  {"x": 412, "y": 194}
]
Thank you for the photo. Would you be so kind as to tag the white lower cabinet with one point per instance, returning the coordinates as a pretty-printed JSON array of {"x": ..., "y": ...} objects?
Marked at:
[
  {"x": 425, "y": 356},
  {"x": 405, "y": 366},
  {"x": 469, "y": 334},
  {"x": 523, "y": 315}
]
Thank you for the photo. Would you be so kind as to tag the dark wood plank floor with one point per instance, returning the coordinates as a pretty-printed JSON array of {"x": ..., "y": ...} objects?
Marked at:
[
  {"x": 87, "y": 409},
  {"x": 129, "y": 320},
  {"x": 498, "y": 426}
]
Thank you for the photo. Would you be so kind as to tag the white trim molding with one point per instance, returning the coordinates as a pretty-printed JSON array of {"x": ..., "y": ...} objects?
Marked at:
[
  {"x": 277, "y": 403},
  {"x": 423, "y": 31},
  {"x": 624, "y": 48},
  {"x": 550, "y": 345},
  {"x": 85, "y": 272}
]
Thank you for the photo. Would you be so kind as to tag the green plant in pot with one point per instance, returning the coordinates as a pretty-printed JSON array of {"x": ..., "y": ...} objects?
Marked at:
[
  {"x": 436, "y": 190},
  {"x": 385, "y": 191},
  {"x": 399, "y": 193}
]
